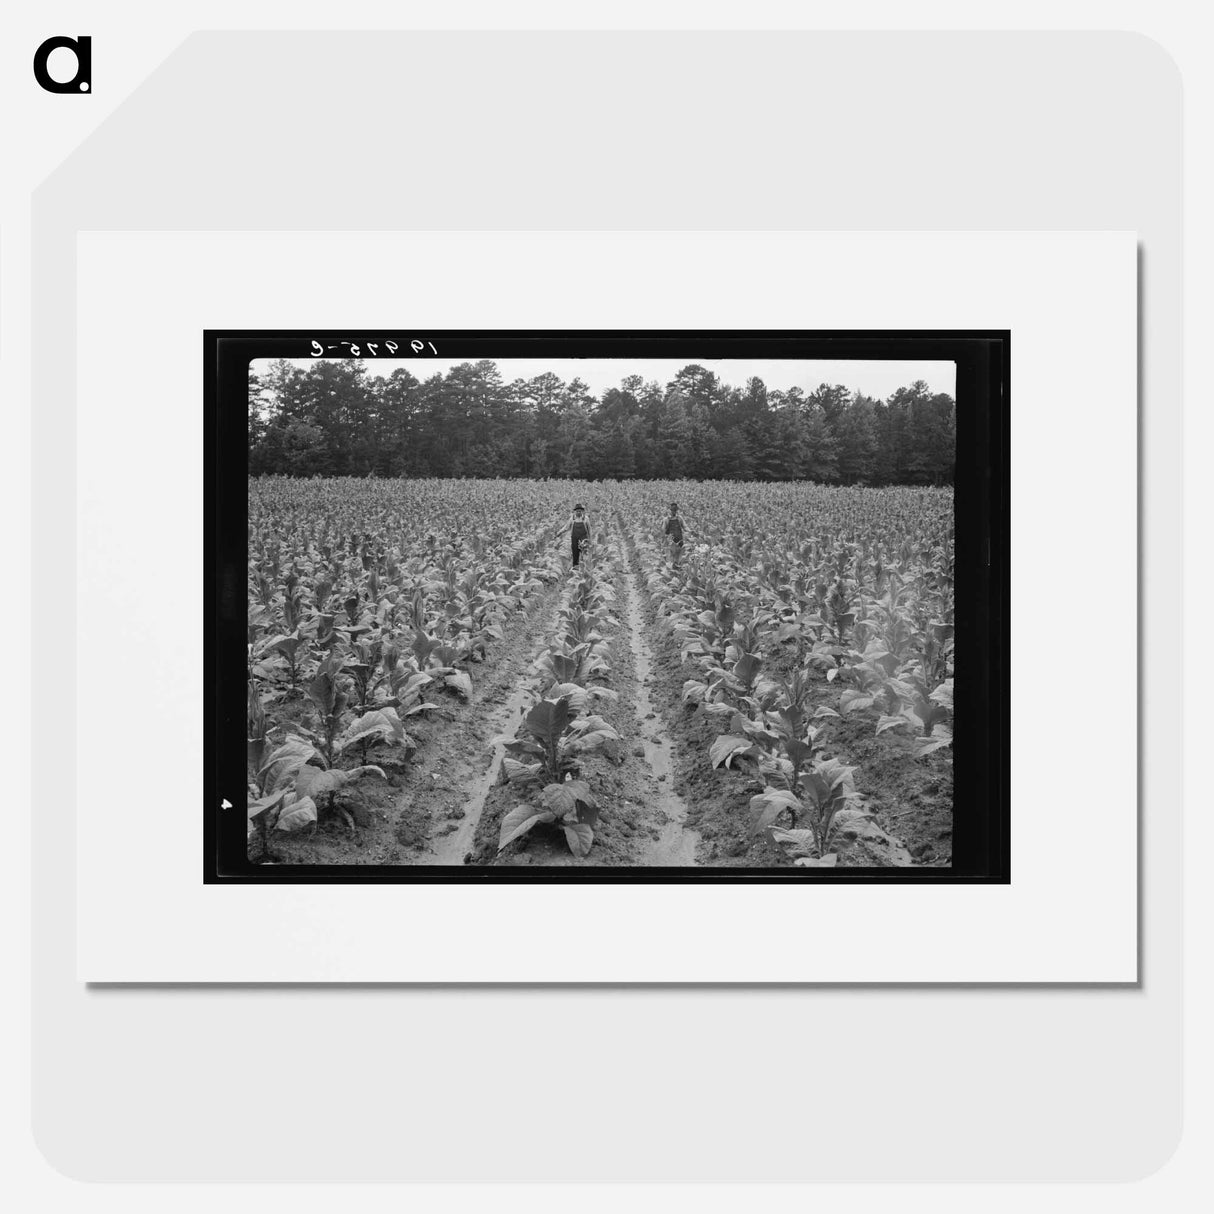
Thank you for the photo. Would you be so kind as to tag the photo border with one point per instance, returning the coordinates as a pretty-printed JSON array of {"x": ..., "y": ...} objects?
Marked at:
[{"x": 981, "y": 845}]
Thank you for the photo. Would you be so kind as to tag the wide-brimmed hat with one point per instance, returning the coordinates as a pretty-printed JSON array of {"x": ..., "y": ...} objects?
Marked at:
[{"x": 578, "y": 507}]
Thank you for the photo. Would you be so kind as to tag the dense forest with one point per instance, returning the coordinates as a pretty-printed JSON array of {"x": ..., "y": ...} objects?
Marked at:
[{"x": 332, "y": 418}]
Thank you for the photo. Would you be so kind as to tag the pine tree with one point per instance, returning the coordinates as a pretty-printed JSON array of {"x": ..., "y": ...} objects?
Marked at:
[
  {"x": 821, "y": 461},
  {"x": 675, "y": 439},
  {"x": 857, "y": 442}
]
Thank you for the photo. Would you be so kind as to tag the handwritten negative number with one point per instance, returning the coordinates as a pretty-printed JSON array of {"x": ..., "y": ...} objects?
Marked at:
[{"x": 355, "y": 350}]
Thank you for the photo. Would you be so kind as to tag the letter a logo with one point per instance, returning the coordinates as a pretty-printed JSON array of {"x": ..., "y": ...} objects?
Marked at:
[{"x": 82, "y": 81}]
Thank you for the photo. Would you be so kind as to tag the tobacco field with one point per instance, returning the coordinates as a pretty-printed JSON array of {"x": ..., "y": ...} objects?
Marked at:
[{"x": 431, "y": 682}]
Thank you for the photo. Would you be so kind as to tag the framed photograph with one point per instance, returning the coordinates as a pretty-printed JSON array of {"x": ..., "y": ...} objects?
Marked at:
[
  {"x": 432, "y": 748},
  {"x": 606, "y": 606}
]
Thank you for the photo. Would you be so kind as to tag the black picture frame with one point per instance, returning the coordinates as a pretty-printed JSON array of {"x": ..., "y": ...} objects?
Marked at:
[{"x": 981, "y": 719}]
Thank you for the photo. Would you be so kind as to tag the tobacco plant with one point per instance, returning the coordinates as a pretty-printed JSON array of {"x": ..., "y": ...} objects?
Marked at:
[
  {"x": 295, "y": 784},
  {"x": 820, "y": 794},
  {"x": 553, "y": 741},
  {"x": 571, "y": 806}
]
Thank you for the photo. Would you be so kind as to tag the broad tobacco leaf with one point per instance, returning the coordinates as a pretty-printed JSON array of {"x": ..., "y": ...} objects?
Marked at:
[
  {"x": 740, "y": 725},
  {"x": 518, "y": 772},
  {"x": 313, "y": 782},
  {"x": 941, "y": 737},
  {"x": 564, "y": 666},
  {"x": 578, "y": 697},
  {"x": 836, "y": 774},
  {"x": 888, "y": 722},
  {"x": 802, "y": 842},
  {"x": 799, "y": 752},
  {"x": 776, "y": 771},
  {"x": 596, "y": 739},
  {"x": 524, "y": 746},
  {"x": 746, "y": 668},
  {"x": 580, "y": 837},
  {"x": 519, "y": 821},
  {"x": 379, "y": 723},
  {"x": 409, "y": 688},
  {"x": 323, "y": 691},
  {"x": 297, "y": 814},
  {"x": 692, "y": 649},
  {"x": 592, "y": 724},
  {"x": 770, "y": 804},
  {"x": 878, "y": 657},
  {"x": 726, "y": 747},
  {"x": 932, "y": 715},
  {"x": 285, "y": 762},
  {"x": 459, "y": 681},
  {"x": 288, "y": 645},
  {"x": 548, "y": 720},
  {"x": 563, "y": 798},
  {"x": 261, "y": 805},
  {"x": 859, "y": 822},
  {"x": 767, "y": 690},
  {"x": 593, "y": 733}
]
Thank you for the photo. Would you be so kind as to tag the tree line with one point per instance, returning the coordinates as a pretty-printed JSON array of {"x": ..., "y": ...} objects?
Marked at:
[{"x": 333, "y": 418}]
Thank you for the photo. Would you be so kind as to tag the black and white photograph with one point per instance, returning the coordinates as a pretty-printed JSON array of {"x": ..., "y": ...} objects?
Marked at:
[
  {"x": 542, "y": 527},
  {"x": 645, "y": 613}
]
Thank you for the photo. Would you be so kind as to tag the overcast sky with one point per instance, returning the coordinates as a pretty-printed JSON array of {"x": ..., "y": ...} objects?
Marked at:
[{"x": 876, "y": 378}]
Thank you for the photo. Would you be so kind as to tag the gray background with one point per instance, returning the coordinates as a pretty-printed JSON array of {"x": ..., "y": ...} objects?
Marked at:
[{"x": 574, "y": 131}]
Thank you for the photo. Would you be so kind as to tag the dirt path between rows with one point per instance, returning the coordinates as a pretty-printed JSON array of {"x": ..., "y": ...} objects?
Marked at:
[
  {"x": 641, "y": 823},
  {"x": 676, "y": 845},
  {"x": 466, "y": 761},
  {"x": 451, "y": 848}
]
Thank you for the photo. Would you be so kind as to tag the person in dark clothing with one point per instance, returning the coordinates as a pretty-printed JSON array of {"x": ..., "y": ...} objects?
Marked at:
[
  {"x": 674, "y": 532},
  {"x": 579, "y": 532}
]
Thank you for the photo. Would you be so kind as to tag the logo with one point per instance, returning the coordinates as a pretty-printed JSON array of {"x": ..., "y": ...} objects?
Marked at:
[{"x": 82, "y": 81}]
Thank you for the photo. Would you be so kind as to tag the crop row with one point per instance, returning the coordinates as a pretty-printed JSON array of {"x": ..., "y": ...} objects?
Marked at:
[
  {"x": 363, "y": 615},
  {"x": 859, "y": 617},
  {"x": 544, "y": 761}
]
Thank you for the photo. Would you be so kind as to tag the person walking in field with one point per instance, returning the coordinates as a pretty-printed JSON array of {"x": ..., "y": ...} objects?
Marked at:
[
  {"x": 675, "y": 533},
  {"x": 579, "y": 533}
]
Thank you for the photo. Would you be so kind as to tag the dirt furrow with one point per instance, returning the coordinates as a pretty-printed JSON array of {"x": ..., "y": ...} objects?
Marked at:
[
  {"x": 468, "y": 766},
  {"x": 436, "y": 813},
  {"x": 675, "y": 845},
  {"x": 640, "y": 818}
]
